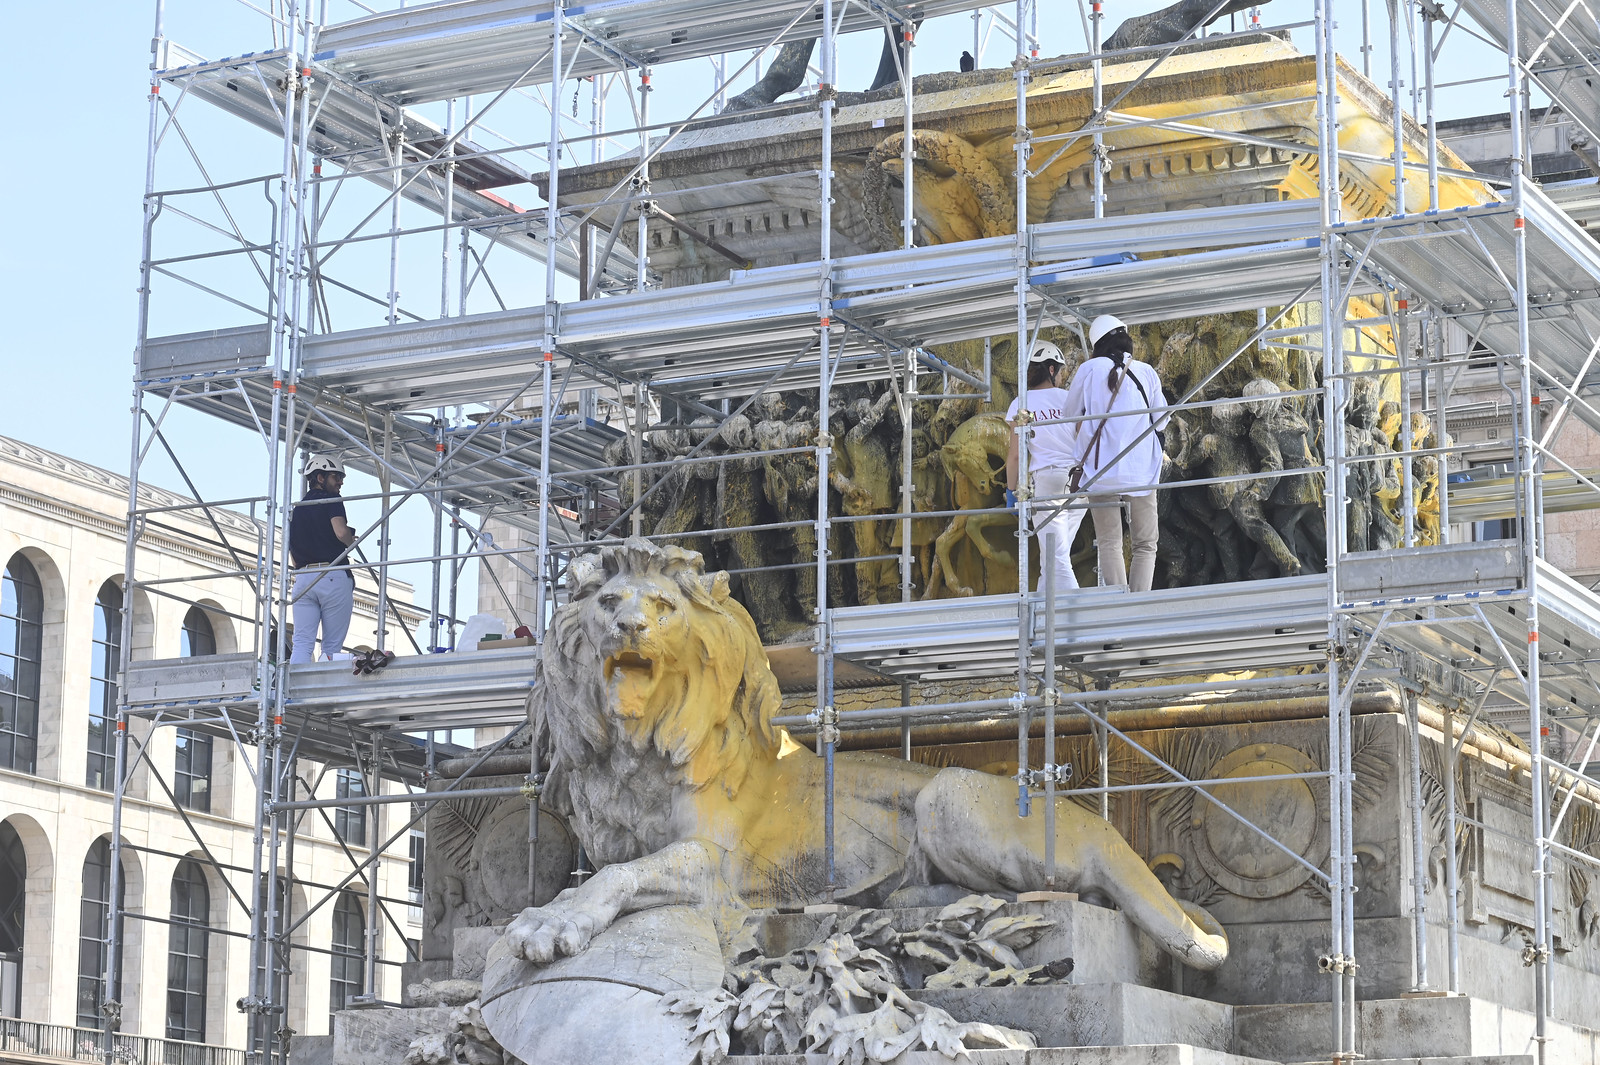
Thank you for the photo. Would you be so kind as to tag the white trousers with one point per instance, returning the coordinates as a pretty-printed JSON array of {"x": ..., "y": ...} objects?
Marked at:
[
  {"x": 321, "y": 597},
  {"x": 1049, "y": 520}
]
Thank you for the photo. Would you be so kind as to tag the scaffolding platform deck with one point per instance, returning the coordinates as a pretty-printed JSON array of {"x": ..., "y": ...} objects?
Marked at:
[
  {"x": 741, "y": 331},
  {"x": 443, "y": 50},
  {"x": 326, "y": 701},
  {"x": 1463, "y": 262},
  {"x": 1479, "y": 635}
]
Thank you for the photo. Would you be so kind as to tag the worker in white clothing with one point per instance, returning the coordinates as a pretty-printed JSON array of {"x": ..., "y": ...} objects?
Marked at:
[
  {"x": 1050, "y": 459},
  {"x": 1120, "y": 456}
]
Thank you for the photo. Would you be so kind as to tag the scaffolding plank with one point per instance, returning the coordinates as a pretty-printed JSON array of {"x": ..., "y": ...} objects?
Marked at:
[{"x": 444, "y": 50}]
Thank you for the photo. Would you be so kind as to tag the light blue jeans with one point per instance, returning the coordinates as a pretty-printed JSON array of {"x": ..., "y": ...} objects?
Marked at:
[{"x": 321, "y": 597}]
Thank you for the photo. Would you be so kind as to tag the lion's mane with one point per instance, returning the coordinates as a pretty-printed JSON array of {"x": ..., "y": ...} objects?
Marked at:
[{"x": 620, "y": 779}]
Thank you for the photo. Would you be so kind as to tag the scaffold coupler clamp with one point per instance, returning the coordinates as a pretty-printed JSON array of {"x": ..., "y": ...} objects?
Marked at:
[
  {"x": 1534, "y": 953},
  {"x": 1337, "y": 963},
  {"x": 1102, "y": 154},
  {"x": 828, "y": 721},
  {"x": 827, "y": 91},
  {"x": 111, "y": 1010},
  {"x": 531, "y": 789}
]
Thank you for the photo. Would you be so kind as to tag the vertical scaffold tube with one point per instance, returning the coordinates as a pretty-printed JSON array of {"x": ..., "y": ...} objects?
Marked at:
[
  {"x": 1097, "y": 164},
  {"x": 1433, "y": 122},
  {"x": 828, "y": 729},
  {"x": 1402, "y": 353},
  {"x": 1527, "y": 465},
  {"x": 1023, "y": 139},
  {"x": 374, "y": 926},
  {"x": 1419, "y": 848},
  {"x": 1397, "y": 113},
  {"x": 552, "y": 222},
  {"x": 642, "y": 258},
  {"x": 152, "y": 210},
  {"x": 1452, "y": 751},
  {"x": 908, "y": 148},
  {"x": 1331, "y": 326},
  {"x": 1048, "y": 576}
]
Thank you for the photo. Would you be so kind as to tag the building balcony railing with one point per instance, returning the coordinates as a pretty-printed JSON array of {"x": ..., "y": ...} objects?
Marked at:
[{"x": 33, "y": 1040}]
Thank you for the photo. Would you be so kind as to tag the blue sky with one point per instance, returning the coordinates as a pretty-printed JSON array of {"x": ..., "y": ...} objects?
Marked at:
[{"x": 70, "y": 254}]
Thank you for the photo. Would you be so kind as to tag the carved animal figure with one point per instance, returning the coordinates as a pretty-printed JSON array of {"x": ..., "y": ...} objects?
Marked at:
[
  {"x": 974, "y": 458},
  {"x": 653, "y": 706}
]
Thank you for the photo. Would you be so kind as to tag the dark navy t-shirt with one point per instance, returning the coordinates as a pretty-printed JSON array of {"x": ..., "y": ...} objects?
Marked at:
[{"x": 311, "y": 538}]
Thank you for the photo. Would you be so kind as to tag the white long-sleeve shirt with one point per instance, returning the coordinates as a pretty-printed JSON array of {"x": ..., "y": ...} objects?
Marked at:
[{"x": 1090, "y": 393}]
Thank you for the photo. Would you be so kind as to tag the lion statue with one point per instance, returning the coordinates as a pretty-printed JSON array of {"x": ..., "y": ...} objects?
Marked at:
[{"x": 653, "y": 711}]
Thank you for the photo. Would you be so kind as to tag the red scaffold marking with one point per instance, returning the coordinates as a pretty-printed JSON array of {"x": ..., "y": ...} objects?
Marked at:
[
  {"x": 1517, "y": 225},
  {"x": 1533, "y": 637},
  {"x": 277, "y": 384},
  {"x": 826, "y": 322},
  {"x": 291, "y": 389},
  {"x": 122, "y": 726},
  {"x": 549, "y": 356}
]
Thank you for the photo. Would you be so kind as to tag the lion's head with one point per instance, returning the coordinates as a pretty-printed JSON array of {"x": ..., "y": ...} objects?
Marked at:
[{"x": 652, "y": 651}]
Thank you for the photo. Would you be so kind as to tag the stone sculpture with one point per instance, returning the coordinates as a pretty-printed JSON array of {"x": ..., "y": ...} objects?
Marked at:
[
  {"x": 654, "y": 703},
  {"x": 864, "y": 475},
  {"x": 740, "y": 490},
  {"x": 967, "y": 556}
]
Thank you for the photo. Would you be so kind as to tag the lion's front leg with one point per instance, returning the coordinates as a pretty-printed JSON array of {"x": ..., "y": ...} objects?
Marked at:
[{"x": 688, "y": 873}]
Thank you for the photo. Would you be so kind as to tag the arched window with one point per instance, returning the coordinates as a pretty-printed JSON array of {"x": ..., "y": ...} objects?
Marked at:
[
  {"x": 186, "y": 954},
  {"x": 94, "y": 916},
  {"x": 349, "y": 929},
  {"x": 13, "y": 896},
  {"x": 21, "y": 640},
  {"x": 105, "y": 659},
  {"x": 198, "y": 636}
]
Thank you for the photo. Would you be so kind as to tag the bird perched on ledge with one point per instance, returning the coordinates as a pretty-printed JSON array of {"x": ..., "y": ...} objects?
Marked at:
[{"x": 968, "y": 64}]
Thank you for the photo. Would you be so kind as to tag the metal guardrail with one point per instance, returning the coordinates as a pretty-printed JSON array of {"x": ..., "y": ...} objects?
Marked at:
[{"x": 57, "y": 1042}]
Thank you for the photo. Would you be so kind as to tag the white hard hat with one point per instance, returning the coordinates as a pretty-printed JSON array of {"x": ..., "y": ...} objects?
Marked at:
[
  {"x": 1044, "y": 351},
  {"x": 321, "y": 464},
  {"x": 1106, "y": 323}
]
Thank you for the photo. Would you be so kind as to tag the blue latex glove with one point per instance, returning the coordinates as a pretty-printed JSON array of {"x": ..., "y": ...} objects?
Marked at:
[{"x": 1011, "y": 500}]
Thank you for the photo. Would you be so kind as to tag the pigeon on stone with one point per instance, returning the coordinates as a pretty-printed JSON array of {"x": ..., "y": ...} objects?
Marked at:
[{"x": 968, "y": 64}]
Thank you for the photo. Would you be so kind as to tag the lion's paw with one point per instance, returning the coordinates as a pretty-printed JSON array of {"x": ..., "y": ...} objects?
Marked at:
[{"x": 542, "y": 934}]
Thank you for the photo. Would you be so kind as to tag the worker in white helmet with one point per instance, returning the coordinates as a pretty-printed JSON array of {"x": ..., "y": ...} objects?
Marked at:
[
  {"x": 1120, "y": 456},
  {"x": 319, "y": 538},
  {"x": 1051, "y": 456}
]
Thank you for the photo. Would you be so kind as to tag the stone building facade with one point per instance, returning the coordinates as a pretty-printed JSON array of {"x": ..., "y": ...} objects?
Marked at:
[{"x": 186, "y": 958}]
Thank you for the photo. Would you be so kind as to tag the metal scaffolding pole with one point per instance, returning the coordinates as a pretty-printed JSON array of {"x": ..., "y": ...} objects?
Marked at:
[
  {"x": 1527, "y": 465},
  {"x": 828, "y": 734}
]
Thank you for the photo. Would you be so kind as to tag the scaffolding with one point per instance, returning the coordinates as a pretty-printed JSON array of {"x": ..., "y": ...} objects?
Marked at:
[{"x": 576, "y": 372}]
